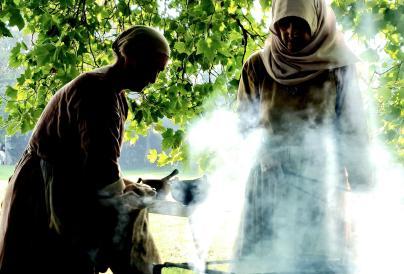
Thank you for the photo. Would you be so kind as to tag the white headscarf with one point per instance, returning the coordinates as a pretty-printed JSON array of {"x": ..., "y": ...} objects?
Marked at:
[{"x": 326, "y": 50}]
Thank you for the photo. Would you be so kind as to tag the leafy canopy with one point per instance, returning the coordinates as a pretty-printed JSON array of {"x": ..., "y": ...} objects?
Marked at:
[{"x": 209, "y": 39}]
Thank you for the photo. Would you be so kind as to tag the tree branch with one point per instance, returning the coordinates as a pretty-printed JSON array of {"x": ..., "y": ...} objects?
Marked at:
[
  {"x": 245, "y": 38},
  {"x": 83, "y": 12},
  {"x": 389, "y": 69},
  {"x": 256, "y": 34},
  {"x": 91, "y": 49}
]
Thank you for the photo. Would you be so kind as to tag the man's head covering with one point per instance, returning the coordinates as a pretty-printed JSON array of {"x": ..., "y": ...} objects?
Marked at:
[
  {"x": 140, "y": 40},
  {"x": 326, "y": 50}
]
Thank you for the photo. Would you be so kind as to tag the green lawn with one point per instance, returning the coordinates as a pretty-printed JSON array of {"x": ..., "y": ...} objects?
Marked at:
[
  {"x": 172, "y": 235},
  {"x": 5, "y": 172}
]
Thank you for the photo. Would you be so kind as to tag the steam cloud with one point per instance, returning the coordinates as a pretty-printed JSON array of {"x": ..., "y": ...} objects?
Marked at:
[{"x": 363, "y": 231}]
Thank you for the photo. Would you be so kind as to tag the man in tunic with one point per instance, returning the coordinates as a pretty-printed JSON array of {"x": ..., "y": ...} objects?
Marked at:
[
  {"x": 67, "y": 207},
  {"x": 301, "y": 88}
]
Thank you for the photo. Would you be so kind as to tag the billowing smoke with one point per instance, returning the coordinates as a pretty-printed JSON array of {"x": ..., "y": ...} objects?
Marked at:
[
  {"x": 293, "y": 206},
  {"x": 377, "y": 219},
  {"x": 231, "y": 156}
]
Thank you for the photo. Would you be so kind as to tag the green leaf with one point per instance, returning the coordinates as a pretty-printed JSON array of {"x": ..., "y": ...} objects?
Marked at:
[
  {"x": 163, "y": 158},
  {"x": 123, "y": 7},
  {"x": 44, "y": 53},
  {"x": 232, "y": 8},
  {"x": 234, "y": 83},
  {"x": 4, "y": 30},
  {"x": 204, "y": 48},
  {"x": 159, "y": 127},
  {"x": 139, "y": 116},
  {"x": 168, "y": 133},
  {"x": 16, "y": 19},
  {"x": 168, "y": 139},
  {"x": 66, "y": 3},
  {"x": 14, "y": 59},
  {"x": 25, "y": 125},
  {"x": 177, "y": 138},
  {"x": 265, "y": 4},
  {"x": 208, "y": 6},
  {"x": 152, "y": 156},
  {"x": 11, "y": 93},
  {"x": 180, "y": 47}
]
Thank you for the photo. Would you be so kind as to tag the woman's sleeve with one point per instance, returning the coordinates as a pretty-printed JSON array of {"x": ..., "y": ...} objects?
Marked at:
[
  {"x": 353, "y": 136},
  {"x": 99, "y": 125},
  {"x": 248, "y": 96}
]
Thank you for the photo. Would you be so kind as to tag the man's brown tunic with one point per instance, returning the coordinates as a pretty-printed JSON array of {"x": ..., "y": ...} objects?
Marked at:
[{"x": 52, "y": 220}]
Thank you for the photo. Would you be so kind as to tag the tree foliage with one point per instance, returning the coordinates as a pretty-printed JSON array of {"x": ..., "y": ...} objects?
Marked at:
[
  {"x": 209, "y": 39},
  {"x": 371, "y": 21}
]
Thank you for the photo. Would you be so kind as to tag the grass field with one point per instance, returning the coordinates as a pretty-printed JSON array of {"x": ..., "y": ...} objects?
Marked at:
[
  {"x": 173, "y": 235},
  {"x": 5, "y": 172}
]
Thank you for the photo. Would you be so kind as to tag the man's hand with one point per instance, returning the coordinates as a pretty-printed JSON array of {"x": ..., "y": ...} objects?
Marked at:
[
  {"x": 135, "y": 196},
  {"x": 128, "y": 196},
  {"x": 139, "y": 188}
]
